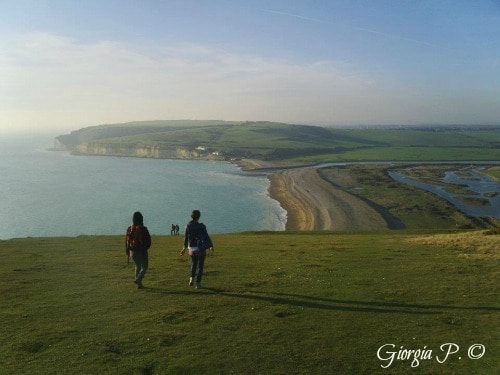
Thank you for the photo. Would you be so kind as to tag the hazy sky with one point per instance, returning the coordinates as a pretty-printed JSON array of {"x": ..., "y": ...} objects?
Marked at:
[{"x": 68, "y": 64}]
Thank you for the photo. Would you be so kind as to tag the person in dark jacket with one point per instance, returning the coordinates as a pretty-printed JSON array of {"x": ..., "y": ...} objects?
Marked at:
[
  {"x": 197, "y": 241},
  {"x": 137, "y": 244}
]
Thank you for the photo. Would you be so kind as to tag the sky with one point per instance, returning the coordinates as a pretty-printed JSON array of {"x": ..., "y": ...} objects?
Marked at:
[{"x": 68, "y": 64}]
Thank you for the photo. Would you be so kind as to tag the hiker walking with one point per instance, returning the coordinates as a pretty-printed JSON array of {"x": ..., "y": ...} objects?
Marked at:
[
  {"x": 197, "y": 241},
  {"x": 137, "y": 243}
]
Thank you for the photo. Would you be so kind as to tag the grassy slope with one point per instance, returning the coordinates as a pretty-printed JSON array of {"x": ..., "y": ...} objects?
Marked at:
[
  {"x": 316, "y": 303},
  {"x": 277, "y": 141}
]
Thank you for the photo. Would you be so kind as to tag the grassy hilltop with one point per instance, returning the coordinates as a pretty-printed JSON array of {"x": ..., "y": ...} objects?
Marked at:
[
  {"x": 278, "y": 141},
  {"x": 274, "y": 303}
]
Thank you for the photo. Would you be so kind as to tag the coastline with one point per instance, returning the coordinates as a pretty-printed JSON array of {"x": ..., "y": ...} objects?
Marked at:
[
  {"x": 299, "y": 216},
  {"x": 314, "y": 204}
]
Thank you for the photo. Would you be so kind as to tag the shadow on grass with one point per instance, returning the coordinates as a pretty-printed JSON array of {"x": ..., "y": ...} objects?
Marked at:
[
  {"x": 389, "y": 304},
  {"x": 305, "y": 301}
]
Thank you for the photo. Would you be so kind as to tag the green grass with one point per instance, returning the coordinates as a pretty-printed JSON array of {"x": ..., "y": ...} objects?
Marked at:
[
  {"x": 407, "y": 154},
  {"x": 274, "y": 303}
]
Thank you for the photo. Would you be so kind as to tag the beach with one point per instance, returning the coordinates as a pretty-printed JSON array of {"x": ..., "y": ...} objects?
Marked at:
[{"x": 313, "y": 203}]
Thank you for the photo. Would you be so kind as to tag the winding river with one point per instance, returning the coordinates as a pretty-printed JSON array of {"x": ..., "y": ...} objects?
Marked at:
[{"x": 481, "y": 186}]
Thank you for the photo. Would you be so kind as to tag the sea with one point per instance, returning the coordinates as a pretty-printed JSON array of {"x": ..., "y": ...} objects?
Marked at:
[{"x": 54, "y": 193}]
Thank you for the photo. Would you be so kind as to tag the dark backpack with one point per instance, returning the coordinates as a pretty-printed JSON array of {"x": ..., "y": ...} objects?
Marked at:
[
  {"x": 203, "y": 240},
  {"x": 198, "y": 236}
]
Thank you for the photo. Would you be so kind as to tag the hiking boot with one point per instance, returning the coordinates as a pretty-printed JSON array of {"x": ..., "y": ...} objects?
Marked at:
[
  {"x": 198, "y": 286},
  {"x": 190, "y": 281},
  {"x": 139, "y": 284}
]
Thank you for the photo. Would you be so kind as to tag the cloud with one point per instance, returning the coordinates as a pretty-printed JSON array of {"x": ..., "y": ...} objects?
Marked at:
[
  {"x": 50, "y": 81},
  {"x": 57, "y": 80}
]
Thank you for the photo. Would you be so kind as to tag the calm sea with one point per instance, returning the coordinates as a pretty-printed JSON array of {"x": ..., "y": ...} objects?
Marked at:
[{"x": 47, "y": 193}]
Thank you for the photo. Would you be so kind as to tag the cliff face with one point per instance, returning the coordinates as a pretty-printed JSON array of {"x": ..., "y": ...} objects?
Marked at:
[
  {"x": 92, "y": 148},
  {"x": 105, "y": 149}
]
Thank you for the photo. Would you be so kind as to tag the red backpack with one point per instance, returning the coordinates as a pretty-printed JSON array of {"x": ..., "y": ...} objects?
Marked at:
[{"x": 134, "y": 239}]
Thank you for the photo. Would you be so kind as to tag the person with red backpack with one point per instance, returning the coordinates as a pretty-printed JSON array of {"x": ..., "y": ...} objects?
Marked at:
[{"x": 137, "y": 243}]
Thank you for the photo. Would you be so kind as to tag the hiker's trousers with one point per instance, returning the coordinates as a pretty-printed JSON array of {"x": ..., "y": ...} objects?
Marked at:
[
  {"x": 140, "y": 259},
  {"x": 197, "y": 263}
]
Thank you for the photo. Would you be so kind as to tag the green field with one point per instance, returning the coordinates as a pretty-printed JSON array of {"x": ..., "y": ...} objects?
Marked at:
[
  {"x": 295, "y": 143},
  {"x": 273, "y": 303}
]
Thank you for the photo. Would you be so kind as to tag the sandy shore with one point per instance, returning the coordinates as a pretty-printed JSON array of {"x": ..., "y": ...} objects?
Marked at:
[{"x": 315, "y": 204}]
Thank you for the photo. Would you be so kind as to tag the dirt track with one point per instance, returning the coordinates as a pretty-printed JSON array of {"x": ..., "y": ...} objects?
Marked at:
[{"x": 315, "y": 204}]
